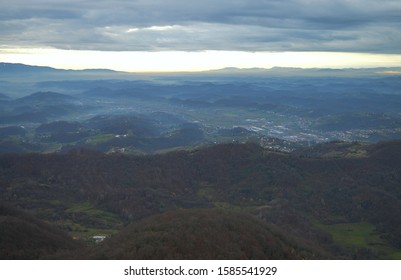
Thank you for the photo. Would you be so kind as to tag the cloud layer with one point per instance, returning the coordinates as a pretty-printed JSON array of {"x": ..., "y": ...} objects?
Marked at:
[{"x": 159, "y": 25}]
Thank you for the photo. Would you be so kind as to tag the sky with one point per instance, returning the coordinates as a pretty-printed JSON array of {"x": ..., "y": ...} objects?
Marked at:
[{"x": 187, "y": 35}]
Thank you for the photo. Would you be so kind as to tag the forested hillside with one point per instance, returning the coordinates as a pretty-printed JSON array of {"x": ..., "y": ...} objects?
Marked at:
[
  {"x": 23, "y": 236},
  {"x": 342, "y": 199},
  {"x": 202, "y": 234}
]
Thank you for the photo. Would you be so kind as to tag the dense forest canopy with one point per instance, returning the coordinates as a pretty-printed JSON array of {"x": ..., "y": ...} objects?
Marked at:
[{"x": 312, "y": 197}]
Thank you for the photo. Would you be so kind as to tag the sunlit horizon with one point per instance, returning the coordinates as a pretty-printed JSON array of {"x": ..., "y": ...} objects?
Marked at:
[{"x": 194, "y": 61}]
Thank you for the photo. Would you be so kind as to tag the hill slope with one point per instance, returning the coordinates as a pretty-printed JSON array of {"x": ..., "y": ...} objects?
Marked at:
[
  {"x": 318, "y": 199},
  {"x": 201, "y": 234},
  {"x": 23, "y": 236}
]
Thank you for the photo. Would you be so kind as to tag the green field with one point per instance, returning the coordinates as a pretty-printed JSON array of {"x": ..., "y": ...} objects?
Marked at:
[
  {"x": 355, "y": 236},
  {"x": 112, "y": 223},
  {"x": 99, "y": 138}
]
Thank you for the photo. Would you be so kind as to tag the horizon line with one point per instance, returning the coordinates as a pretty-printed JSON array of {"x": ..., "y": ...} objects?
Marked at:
[
  {"x": 388, "y": 70},
  {"x": 192, "y": 62}
]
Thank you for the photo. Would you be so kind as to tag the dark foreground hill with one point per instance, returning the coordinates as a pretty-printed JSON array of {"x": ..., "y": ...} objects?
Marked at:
[
  {"x": 201, "y": 234},
  {"x": 344, "y": 198},
  {"x": 23, "y": 236}
]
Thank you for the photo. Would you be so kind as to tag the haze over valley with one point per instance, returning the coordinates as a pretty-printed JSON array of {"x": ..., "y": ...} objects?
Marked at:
[{"x": 57, "y": 110}]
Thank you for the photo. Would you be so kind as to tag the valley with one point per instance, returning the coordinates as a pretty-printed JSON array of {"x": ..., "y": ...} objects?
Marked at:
[
  {"x": 155, "y": 113},
  {"x": 284, "y": 164}
]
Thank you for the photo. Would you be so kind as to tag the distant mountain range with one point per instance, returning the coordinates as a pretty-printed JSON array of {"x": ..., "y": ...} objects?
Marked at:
[
  {"x": 6, "y": 68},
  {"x": 15, "y": 68}
]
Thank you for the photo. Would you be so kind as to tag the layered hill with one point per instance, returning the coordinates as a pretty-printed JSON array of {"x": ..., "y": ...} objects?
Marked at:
[
  {"x": 341, "y": 197},
  {"x": 23, "y": 236},
  {"x": 202, "y": 234}
]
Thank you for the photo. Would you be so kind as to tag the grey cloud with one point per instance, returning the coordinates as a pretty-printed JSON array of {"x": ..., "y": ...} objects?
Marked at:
[
  {"x": 264, "y": 25},
  {"x": 47, "y": 13}
]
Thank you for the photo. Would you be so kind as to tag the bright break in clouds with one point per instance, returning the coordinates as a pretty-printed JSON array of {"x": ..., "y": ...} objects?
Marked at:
[{"x": 360, "y": 26}]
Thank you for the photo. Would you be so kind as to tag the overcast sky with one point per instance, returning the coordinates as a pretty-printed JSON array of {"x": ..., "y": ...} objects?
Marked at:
[{"x": 358, "y": 26}]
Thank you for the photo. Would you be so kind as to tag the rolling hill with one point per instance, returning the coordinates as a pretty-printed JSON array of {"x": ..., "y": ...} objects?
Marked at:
[
  {"x": 202, "y": 234},
  {"x": 22, "y": 236},
  {"x": 318, "y": 196}
]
